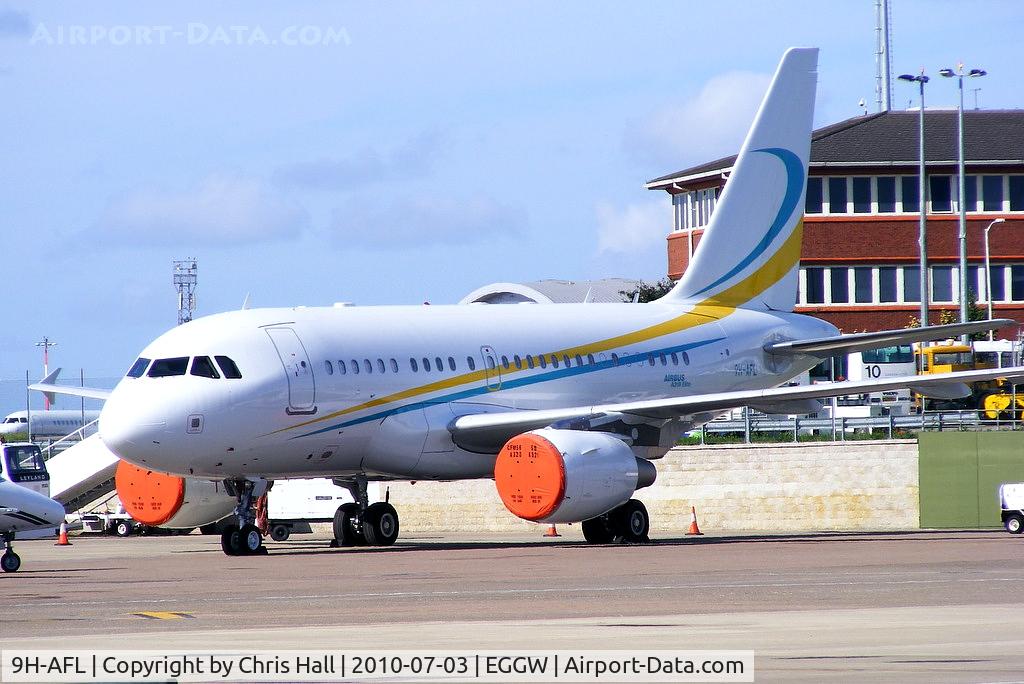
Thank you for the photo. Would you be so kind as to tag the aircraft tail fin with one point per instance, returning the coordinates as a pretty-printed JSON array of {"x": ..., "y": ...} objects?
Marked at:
[{"x": 749, "y": 254}]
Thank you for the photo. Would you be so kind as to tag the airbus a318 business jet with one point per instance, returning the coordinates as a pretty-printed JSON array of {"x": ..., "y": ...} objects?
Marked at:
[{"x": 566, "y": 406}]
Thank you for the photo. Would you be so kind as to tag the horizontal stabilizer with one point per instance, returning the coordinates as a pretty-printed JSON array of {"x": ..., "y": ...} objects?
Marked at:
[
  {"x": 49, "y": 387},
  {"x": 824, "y": 347}
]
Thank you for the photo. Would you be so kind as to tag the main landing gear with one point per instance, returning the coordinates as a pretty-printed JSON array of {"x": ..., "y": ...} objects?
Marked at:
[
  {"x": 243, "y": 539},
  {"x": 361, "y": 523},
  {"x": 10, "y": 561},
  {"x": 627, "y": 524}
]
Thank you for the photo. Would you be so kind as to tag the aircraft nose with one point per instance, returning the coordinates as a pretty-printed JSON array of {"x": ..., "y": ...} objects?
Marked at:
[
  {"x": 53, "y": 512},
  {"x": 132, "y": 426}
]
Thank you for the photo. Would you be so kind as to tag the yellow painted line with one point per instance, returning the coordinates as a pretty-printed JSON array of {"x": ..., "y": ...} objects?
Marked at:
[
  {"x": 163, "y": 615},
  {"x": 714, "y": 307}
]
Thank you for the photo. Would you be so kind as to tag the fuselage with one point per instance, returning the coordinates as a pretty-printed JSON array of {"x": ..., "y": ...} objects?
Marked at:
[
  {"x": 53, "y": 423},
  {"x": 343, "y": 390}
]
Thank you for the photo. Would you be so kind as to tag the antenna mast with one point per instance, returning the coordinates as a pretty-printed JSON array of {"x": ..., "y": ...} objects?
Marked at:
[
  {"x": 185, "y": 283},
  {"x": 883, "y": 56}
]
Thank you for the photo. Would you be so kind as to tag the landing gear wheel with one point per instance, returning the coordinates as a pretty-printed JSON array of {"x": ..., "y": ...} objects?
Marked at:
[
  {"x": 124, "y": 528},
  {"x": 598, "y": 531},
  {"x": 231, "y": 540},
  {"x": 346, "y": 531},
  {"x": 1014, "y": 523},
  {"x": 280, "y": 533},
  {"x": 10, "y": 561},
  {"x": 252, "y": 540},
  {"x": 380, "y": 524},
  {"x": 631, "y": 522}
]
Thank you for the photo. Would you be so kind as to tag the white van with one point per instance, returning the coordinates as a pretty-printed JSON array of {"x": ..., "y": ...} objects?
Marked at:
[{"x": 1011, "y": 501}]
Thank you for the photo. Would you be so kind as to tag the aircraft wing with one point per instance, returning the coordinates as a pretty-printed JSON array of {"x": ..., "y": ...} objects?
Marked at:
[
  {"x": 824, "y": 347},
  {"x": 486, "y": 431},
  {"x": 49, "y": 387}
]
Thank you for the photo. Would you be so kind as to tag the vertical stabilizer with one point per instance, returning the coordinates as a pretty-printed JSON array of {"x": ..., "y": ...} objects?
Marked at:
[{"x": 749, "y": 254}]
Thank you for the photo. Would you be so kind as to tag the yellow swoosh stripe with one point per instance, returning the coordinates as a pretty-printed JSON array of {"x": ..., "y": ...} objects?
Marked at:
[{"x": 714, "y": 307}]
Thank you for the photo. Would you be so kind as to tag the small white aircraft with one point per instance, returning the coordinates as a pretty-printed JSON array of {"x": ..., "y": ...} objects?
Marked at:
[
  {"x": 54, "y": 423},
  {"x": 564, "y": 405},
  {"x": 22, "y": 510}
]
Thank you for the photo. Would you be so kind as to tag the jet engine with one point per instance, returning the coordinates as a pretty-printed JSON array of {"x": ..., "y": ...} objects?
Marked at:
[
  {"x": 160, "y": 499},
  {"x": 562, "y": 476}
]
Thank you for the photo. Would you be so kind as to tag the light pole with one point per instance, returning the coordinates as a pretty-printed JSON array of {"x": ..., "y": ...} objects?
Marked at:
[
  {"x": 959, "y": 73},
  {"x": 988, "y": 275},
  {"x": 46, "y": 344},
  {"x": 922, "y": 228}
]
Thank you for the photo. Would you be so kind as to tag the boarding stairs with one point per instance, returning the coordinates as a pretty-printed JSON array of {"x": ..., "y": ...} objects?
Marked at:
[{"x": 82, "y": 472}]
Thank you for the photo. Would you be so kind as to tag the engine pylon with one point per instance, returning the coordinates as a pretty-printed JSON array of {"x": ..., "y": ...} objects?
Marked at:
[{"x": 694, "y": 530}]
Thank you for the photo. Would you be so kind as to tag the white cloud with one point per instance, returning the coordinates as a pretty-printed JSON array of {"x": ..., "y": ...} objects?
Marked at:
[
  {"x": 713, "y": 125},
  {"x": 424, "y": 220},
  {"x": 222, "y": 209},
  {"x": 634, "y": 229}
]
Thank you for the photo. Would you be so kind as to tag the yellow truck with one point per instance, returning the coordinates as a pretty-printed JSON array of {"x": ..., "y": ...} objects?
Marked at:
[{"x": 994, "y": 399}]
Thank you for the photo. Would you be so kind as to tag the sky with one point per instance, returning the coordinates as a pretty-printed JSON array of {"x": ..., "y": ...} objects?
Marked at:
[{"x": 389, "y": 153}]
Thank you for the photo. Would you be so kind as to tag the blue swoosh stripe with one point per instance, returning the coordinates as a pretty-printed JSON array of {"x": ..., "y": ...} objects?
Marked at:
[
  {"x": 794, "y": 186},
  {"x": 512, "y": 384}
]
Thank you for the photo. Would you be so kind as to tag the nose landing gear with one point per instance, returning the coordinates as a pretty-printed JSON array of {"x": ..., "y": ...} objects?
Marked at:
[
  {"x": 243, "y": 539},
  {"x": 10, "y": 561},
  {"x": 361, "y": 523}
]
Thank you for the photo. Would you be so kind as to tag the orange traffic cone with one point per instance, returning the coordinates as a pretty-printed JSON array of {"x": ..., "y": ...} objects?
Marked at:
[
  {"x": 694, "y": 530},
  {"x": 62, "y": 540},
  {"x": 552, "y": 532}
]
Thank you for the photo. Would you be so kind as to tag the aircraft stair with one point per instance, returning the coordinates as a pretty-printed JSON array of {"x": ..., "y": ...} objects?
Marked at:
[{"x": 82, "y": 473}]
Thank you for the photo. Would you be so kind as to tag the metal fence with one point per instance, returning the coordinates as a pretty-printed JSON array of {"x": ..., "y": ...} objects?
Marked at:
[{"x": 839, "y": 429}]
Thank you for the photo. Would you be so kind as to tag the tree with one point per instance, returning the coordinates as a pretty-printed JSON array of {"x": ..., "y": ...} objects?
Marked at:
[{"x": 648, "y": 291}]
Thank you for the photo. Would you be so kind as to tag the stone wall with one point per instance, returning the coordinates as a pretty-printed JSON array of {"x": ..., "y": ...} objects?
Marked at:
[{"x": 862, "y": 485}]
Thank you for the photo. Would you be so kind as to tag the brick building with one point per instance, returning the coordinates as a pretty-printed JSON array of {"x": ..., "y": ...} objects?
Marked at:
[{"x": 859, "y": 263}]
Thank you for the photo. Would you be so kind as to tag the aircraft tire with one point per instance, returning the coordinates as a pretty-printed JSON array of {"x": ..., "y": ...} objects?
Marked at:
[
  {"x": 345, "y": 533},
  {"x": 231, "y": 540},
  {"x": 380, "y": 524},
  {"x": 597, "y": 530},
  {"x": 10, "y": 561},
  {"x": 631, "y": 522},
  {"x": 252, "y": 540}
]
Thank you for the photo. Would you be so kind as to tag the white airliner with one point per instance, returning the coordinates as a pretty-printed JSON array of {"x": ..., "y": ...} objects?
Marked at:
[
  {"x": 564, "y": 405},
  {"x": 23, "y": 510},
  {"x": 54, "y": 423}
]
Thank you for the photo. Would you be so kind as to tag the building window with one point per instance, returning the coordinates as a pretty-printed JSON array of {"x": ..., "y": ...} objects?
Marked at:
[
  {"x": 992, "y": 193},
  {"x": 887, "y": 289},
  {"x": 814, "y": 201},
  {"x": 886, "y": 194},
  {"x": 998, "y": 277},
  {"x": 837, "y": 195},
  {"x": 911, "y": 284},
  {"x": 911, "y": 194},
  {"x": 862, "y": 285},
  {"x": 942, "y": 283},
  {"x": 815, "y": 285},
  {"x": 940, "y": 189},
  {"x": 1016, "y": 193},
  {"x": 839, "y": 285},
  {"x": 1017, "y": 283},
  {"x": 971, "y": 193},
  {"x": 862, "y": 195}
]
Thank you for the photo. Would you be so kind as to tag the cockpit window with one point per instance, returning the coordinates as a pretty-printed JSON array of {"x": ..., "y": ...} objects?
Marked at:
[
  {"x": 228, "y": 367},
  {"x": 138, "y": 368},
  {"x": 163, "y": 368},
  {"x": 203, "y": 367}
]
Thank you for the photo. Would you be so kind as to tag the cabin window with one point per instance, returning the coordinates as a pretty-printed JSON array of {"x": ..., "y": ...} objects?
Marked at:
[
  {"x": 380, "y": 365},
  {"x": 529, "y": 361},
  {"x": 228, "y": 368},
  {"x": 579, "y": 360},
  {"x": 426, "y": 364},
  {"x": 394, "y": 366},
  {"x": 664, "y": 361},
  {"x": 504, "y": 362},
  {"x": 543, "y": 360},
  {"x": 438, "y": 365},
  {"x": 367, "y": 366},
  {"x": 451, "y": 363},
  {"x": 341, "y": 367},
  {"x": 412, "y": 364},
  {"x": 355, "y": 367},
  {"x": 519, "y": 362},
  {"x": 554, "y": 360},
  {"x": 138, "y": 368},
  {"x": 328, "y": 366},
  {"x": 565, "y": 360},
  {"x": 675, "y": 359},
  {"x": 615, "y": 359},
  {"x": 165, "y": 368},
  {"x": 471, "y": 363},
  {"x": 203, "y": 367},
  {"x": 686, "y": 359},
  {"x": 590, "y": 359}
]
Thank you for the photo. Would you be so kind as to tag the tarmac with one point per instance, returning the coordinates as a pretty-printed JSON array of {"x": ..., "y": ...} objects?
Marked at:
[{"x": 887, "y": 606}]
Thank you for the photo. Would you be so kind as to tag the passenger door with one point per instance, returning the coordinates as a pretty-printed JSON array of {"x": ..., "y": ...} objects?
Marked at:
[
  {"x": 492, "y": 371},
  {"x": 297, "y": 368}
]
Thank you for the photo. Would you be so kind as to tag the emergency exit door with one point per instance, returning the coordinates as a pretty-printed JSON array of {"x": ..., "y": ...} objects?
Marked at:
[{"x": 297, "y": 368}]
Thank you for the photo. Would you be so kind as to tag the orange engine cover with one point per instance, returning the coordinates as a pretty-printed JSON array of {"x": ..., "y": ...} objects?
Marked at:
[
  {"x": 530, "y": 476},
  {"x": 148, "y": 496}
]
